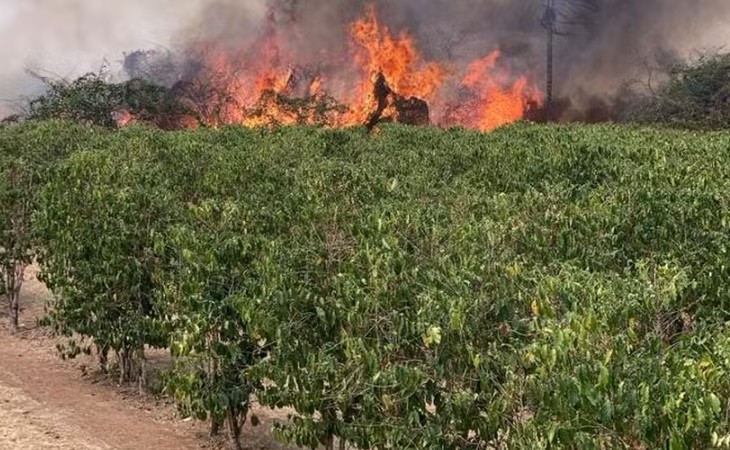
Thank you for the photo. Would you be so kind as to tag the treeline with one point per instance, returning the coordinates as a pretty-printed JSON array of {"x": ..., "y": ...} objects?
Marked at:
[{"x": 534, "y": 288}]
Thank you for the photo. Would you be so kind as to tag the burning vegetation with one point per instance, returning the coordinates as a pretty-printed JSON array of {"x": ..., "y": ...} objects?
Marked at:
[
  {"x": 338, "y": 63},
  {"x": 380, "y": 76}
]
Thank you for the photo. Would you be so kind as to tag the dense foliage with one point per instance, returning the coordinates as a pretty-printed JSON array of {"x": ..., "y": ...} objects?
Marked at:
[
  {"x": 534, "y": 288},
  {"x": 691, "y": 94}
]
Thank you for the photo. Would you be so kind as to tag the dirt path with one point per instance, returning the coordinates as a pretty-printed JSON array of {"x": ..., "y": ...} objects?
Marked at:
[
  {"x": 46, "y": 403},
  {"x": 27, "y": 424},
  {"x": 94, "y": 413}
]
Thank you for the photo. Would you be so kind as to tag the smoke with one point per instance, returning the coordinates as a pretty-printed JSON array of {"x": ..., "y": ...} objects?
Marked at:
[
  {"x": 627, "y": 33},
  {"x": 599, "y": 53},
  {"x": 69, "y": 38}
]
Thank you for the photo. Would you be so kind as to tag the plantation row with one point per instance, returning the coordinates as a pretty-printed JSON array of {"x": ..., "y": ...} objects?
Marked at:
[{"x": 534, "y": 288}]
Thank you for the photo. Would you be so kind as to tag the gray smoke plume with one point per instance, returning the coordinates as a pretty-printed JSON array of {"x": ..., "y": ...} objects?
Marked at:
[
  {"x": 600, "y": 52},
  {"x": 627, "y": 34},
  {"x": 601, "y": 48}
]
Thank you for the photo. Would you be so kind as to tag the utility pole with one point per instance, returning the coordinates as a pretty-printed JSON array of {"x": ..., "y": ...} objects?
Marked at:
[
  {"x": 560, "y": 18},
  {"x": 549, "y": 20}
]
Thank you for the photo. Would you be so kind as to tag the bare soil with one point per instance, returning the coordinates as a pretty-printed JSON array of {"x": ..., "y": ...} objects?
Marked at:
[{"x": 49, "y": 403}]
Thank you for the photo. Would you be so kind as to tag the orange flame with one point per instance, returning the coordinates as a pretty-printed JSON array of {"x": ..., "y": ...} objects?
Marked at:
[
  {"x": 264, "y": 85},
  {"x": 491, "y": 104},
  {"x": 396, "y": 58}
]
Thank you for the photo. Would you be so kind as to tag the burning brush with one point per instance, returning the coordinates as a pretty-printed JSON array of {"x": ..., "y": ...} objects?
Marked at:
[{"x": 382, "y": 77}]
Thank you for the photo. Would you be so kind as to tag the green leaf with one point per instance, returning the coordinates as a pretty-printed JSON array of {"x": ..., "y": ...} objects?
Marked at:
[
  {"x": 320, "y": 313},
  {"x": 433, "y": 336},
  {"x": 715, "y": 403}
]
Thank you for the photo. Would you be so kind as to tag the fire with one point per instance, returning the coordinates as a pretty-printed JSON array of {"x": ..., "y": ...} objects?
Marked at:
[
  {"x": 265, "y": 85},
  {"x": 397, "y": 59},
  {"x": 491, "y": 100}
]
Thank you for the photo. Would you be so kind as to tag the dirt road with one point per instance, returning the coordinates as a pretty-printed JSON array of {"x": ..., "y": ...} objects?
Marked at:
[
  {"x": 54, "y": 403},
  {"x": 27, "y": 424}
]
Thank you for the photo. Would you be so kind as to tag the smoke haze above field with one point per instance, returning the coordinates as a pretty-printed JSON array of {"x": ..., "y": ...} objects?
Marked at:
[
  {"x": 68, "y": 38},
  {"x": 600, "y": 53},
  {"x": 72, "y": 37}
]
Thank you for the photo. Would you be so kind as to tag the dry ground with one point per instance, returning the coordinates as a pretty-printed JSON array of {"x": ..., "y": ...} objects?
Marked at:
[{"x": 48, "y": 403}]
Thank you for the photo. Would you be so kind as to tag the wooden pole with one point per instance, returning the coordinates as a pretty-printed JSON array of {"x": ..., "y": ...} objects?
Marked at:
[{"x": 550, "y": 27}]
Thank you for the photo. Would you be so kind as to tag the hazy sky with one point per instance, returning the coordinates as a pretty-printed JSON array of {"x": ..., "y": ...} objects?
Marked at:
[{"x": 71, "y": 37}]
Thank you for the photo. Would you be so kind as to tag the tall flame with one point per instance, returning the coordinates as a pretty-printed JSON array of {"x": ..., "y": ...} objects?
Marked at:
[{"x": 396, "y": 58}]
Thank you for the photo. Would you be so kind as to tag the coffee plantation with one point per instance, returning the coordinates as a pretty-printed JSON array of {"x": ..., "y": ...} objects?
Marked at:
[{"x": 539, "y": 287}]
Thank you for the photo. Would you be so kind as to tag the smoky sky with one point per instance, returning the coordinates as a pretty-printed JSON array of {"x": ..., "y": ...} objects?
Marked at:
[
  {"x": 67, "y": 38},
  {"x": 596, "y": 56},
  {"x": 600, "y": 49}
]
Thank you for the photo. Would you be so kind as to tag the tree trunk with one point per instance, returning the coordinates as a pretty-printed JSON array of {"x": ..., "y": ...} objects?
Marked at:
[
  {"x": 128, "y": 370},
  {"x": 329, "y": 417},
  {"x": 215, "y": 427},
  {"x": 141, "y": 361},
  {"x": 103, "y": 355},
  {"x": 14, "y": 311},
  {"x": 212, "y": 367},
  {"x": 236, "y": 419},
  {"x": 123, "y": 365},
  {"x": 381, "y": 92},
  {"x": 14, "y": 281}
]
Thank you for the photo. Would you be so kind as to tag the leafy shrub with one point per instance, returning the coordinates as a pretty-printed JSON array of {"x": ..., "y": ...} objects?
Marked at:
[
  {"x": 93, "y": 99},
  {"x": 27, "y": 156},
  {"x": 98, "y": 226}
]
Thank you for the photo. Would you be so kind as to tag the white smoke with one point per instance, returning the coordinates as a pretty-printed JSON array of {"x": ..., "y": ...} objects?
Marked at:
[{"x": 67, "y": 38}]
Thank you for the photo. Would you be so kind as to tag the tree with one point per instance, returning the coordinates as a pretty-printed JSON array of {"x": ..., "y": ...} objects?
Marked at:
[
  {"x": 201, "y": 295},
  {"x": 88, "y": 99},
  {"x": 103, "y": 282},
  {"x": 15, "y": 242},
  {"x": 687, "y": 94}
]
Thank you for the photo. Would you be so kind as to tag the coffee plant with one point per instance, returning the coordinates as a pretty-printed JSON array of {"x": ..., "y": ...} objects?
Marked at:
[
  {"x": 534, "y": 288},
  {"x": 27, "y": 155}
]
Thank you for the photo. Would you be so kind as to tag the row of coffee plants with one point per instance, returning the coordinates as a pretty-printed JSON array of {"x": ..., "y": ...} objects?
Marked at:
[
  {"x": 27, "y": 155},
  {"x": 534, "y": 288}
]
